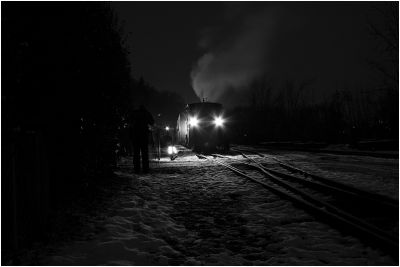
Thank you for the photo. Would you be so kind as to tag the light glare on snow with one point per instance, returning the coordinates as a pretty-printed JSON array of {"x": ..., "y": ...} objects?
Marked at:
[{"x": 172, "y": 150}]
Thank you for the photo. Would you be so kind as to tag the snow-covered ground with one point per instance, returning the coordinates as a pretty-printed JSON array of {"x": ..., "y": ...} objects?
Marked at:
[
  {"x": 193, "y": 212},
  {"x": 374, "y": 174}
]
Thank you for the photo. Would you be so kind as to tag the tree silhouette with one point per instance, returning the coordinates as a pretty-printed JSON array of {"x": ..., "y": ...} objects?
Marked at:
[{"x": 65, "y": 84}]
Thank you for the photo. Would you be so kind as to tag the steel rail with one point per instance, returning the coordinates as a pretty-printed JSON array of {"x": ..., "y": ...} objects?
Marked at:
[
  {"x": 321, "y": 208},
  {"x": 272, "y": 175},
  {"x": 347, "y": 189},
  {"x": 338, "y": 188},
  {"x": 318, "y": 185}
]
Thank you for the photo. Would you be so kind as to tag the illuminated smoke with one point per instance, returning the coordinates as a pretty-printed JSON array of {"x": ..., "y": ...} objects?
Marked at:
[
  {"x": 231, "y": 64},
  {"x": 324, "y": 46}
]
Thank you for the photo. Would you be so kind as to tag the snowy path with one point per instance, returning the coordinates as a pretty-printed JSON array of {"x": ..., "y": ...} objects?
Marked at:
[{"x": 192, "y": 212}]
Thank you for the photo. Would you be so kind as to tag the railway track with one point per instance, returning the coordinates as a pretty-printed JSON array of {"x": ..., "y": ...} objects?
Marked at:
[
  {"x": 370, "y": 217},
  {"x": 355, "y": 193}
]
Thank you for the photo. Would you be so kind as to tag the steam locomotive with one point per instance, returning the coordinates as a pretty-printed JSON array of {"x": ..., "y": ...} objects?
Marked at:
[{"x": 202, "y": 127}]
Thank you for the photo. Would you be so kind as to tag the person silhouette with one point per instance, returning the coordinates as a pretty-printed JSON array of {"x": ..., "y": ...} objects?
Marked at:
[{"x": 141, "y": 121}]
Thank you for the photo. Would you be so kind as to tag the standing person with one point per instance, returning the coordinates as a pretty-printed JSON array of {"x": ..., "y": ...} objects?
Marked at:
[{"x": 141, "y": 121}]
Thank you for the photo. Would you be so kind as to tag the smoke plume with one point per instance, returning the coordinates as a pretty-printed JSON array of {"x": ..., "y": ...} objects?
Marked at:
[
  {"x": 280, "y": 43},
  {"x": 236, "y": 56}
]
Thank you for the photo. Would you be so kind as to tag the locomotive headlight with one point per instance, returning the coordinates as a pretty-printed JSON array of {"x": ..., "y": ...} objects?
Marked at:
[
  {"x": 219, "y": 121},
  {"x": 193, "y": 121}
]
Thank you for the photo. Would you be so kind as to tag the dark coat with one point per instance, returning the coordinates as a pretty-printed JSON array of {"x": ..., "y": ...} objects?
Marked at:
[{"x": 140, "y": 121}]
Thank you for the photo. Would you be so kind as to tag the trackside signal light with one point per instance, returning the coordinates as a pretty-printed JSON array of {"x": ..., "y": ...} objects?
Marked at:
[{"x": 172, "y": 150}]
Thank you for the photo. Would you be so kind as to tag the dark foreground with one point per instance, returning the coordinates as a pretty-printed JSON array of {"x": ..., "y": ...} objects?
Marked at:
[{"x": 193, "y": 212}]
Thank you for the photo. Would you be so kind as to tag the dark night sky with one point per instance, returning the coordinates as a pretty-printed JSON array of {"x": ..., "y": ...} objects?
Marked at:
[
  {"x": 218, "y": 48},
  {"x": 164, "y": 39}
]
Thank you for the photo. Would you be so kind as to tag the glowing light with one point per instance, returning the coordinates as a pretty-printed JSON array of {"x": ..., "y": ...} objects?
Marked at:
[
  {"x": 193, "y": 121},
  {"x": 167, "y": 128},
  {"x": 219, "y": 121},
  {"x": 172, "y": 150}
]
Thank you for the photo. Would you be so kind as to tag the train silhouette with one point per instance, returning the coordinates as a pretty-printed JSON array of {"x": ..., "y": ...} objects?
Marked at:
[{"x": 203, "y": 127}]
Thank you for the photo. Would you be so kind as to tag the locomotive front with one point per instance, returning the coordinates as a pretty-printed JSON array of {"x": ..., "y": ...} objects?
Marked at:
[{"x": 202, "y": 127}]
